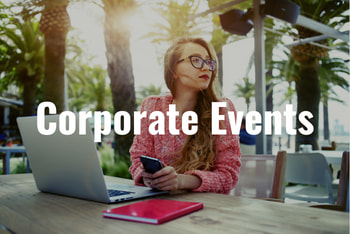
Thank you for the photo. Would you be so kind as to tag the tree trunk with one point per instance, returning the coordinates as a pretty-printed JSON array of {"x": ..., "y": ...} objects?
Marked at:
[
  {"x": 54, "y": 81},
  {"x": 29, "y": 97},
  {"x": 309, "y": 93},
  {"x": 55, "y": 24},
  {"x": 269, "y": 107},
  {"x": 117, "y": 39}
]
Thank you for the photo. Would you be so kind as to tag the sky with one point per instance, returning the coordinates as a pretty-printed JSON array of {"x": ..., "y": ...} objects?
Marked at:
[{"x": 87, "y": 19}]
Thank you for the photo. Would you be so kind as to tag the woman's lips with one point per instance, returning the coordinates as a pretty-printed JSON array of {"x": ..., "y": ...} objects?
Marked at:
[{"x": 206, "y": 77}]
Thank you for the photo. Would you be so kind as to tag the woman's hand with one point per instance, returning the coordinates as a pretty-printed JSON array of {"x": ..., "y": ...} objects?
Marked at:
[
  {"x": 164, "y": 179},
  {"x": 167, "y": 179}
]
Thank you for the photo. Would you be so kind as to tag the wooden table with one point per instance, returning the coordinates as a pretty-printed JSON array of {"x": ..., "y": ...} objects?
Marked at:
[
  {"x": 24, "y": 209},
  {"x": 8, "y": 150}
]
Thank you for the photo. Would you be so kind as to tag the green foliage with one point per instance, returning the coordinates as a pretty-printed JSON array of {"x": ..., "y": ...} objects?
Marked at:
[
  {"x": 175, "y": 23},
  {"x": 331, "y": 74},
  {"x": 21, "y": 52},
  {"x": 288, "y": 70},
  {"x": 325, "y": 10},
  {"x": 113, "y": 164},
  {"x": 22, "y": 57},
  {"x": 20, "y": 168},
  {"x": 247, "y": 91},
  {"x": 17, "y": 166},
  {"x": 332, "y": 71},
  {"x": 88, "y": 86},
  {"x": 147, "y": 91}
]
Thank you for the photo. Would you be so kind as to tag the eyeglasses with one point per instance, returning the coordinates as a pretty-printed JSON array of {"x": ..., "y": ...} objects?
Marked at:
[{"x": 198, "y": 62}]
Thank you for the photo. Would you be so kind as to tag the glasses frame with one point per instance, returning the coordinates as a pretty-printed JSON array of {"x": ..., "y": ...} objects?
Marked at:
[{"x": 206, "y": 61}]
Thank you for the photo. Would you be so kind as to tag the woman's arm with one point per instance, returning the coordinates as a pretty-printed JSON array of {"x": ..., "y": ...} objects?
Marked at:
[
  {"x": 168, "y": 179},
  {"x": 224, "y": 175},
  {"x": 221, "y": 179}
]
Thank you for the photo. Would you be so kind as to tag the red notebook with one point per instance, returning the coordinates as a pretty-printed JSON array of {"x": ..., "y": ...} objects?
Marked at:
[{"x": 154, "y": 211}]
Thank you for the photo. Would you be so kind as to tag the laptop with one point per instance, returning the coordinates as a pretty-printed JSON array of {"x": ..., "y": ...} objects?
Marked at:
[{"x": 69, "y": 165}]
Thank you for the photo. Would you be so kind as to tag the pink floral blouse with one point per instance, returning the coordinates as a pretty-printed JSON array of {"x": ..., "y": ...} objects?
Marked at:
[{"x": 224, "y": 175}]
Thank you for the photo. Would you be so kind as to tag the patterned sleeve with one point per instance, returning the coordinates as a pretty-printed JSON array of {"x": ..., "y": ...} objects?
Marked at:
[
  {"x": 143, "y": 143},
  {"x": 224, "y": 175}
]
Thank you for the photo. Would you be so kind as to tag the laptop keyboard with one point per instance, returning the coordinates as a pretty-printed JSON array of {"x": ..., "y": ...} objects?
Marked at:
[{"x": 113, "y": 192}]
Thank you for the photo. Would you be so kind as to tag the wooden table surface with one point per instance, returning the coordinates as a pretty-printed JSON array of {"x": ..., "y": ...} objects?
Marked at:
[{"x": 24, "y": 209}]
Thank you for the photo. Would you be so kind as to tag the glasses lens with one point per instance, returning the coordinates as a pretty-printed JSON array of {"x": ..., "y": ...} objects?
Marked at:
[
  {"x": 197, "y": 62},
  {"x": 212, "y": 64}
]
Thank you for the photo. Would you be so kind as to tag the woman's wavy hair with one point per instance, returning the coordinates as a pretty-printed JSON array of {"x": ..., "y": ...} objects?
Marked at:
[{"x": 198, "y": 151}]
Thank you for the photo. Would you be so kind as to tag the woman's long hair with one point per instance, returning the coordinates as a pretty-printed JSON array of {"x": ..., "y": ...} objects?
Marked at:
[{"x": 198, "y": 151}]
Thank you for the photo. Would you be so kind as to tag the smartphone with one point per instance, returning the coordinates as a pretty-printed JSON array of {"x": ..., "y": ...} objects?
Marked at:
[{"x": 150, "y": 164}]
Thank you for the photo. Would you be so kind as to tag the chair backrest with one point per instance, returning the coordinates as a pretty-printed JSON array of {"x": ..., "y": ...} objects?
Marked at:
[
  {"x": 308, "y": 168},
  {"x": 342, "y": 203},
  {"x": 261, "y": 176},
  {"x": 343, "y": 189},
  {"x": 322, "y": 143},
  {"x": 247, "y": 149},
  {"x": 342, "y": 146}
]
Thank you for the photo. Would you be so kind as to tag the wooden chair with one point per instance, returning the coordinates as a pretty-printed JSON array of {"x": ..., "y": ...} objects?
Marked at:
[
  {"x": 325, "y": 145},
  {"x": 311, "y": 178},
  {"x": 262, "y": 176},
  {"x": 331, "y": 147},
  {"x": 342, "y": 203}
]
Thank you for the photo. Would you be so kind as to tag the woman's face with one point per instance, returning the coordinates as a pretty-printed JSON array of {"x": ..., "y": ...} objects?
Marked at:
[{"x": 188, "y": 77}]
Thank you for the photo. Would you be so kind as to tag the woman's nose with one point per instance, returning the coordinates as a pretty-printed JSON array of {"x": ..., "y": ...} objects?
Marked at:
[{"x": 205, "y": 66}]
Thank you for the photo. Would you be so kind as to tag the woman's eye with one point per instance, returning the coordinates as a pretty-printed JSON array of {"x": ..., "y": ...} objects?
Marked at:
[{"x": 196, "y": 60}]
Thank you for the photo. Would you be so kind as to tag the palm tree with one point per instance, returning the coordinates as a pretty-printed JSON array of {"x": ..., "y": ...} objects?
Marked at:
[
  {"x": 247, "y": 91},
  {"x": 88, "y": 87},
  {"x": 176, "y": 23},
  {"x": 87, "y": 84},
  {"x": 98, "y": 91},
  {"x": 288, "y": 70},
  {"x": 331, "y": 71},
  {"x": 22, "y": 59},
  {"x": 308, "y": 57},
  {"x": 117, "y": 39},
  {"x": 330, "y": 75},
  {"x": 55, "y": 24}
]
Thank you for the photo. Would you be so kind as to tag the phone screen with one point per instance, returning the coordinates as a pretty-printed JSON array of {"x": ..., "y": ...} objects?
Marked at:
[{"x": 150, "y": 164}]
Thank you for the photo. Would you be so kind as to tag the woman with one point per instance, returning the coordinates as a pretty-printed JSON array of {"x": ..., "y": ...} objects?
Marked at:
[{"x": 201, "y": 162}]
